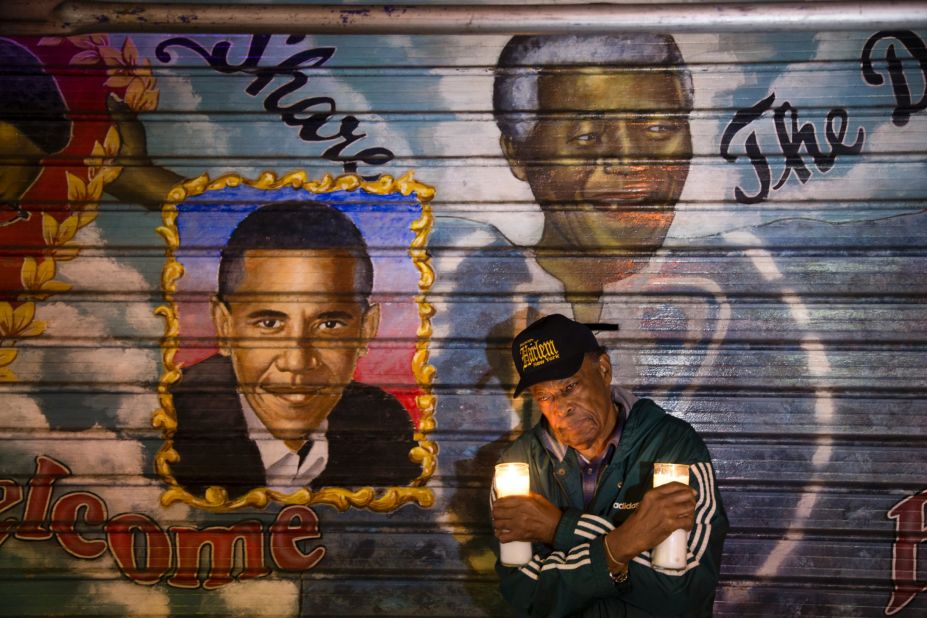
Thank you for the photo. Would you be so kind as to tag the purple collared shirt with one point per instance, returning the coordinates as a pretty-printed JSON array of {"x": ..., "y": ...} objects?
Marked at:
[{"x": 592, "y": 470}]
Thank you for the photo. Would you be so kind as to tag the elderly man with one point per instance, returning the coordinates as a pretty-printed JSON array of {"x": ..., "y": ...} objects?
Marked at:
[
  {"x": 593, "y": 514},
  {"x": 278, "y": 406}
]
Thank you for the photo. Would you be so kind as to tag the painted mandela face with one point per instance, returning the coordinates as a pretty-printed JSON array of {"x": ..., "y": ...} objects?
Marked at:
[
  {"x": 608, "y": 160},
  {"x": 294, "y": 329}
]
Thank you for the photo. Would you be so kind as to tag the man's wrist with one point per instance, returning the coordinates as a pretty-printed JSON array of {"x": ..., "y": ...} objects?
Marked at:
[
  {"x": 617, "y": 569},
  {"x": 615, "y": 562},
  {"x": 551, "y": 536}
]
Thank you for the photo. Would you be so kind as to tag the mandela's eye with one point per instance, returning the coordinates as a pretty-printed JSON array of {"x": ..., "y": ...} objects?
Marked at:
[
  {"x": 585, "y": 138},
  {"x": 269, "y": 323},
  {"x": 662, "y": 129}
]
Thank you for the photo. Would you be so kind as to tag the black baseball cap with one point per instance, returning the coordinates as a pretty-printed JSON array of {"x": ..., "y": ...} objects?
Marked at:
[{"x": 551, "y": 348}]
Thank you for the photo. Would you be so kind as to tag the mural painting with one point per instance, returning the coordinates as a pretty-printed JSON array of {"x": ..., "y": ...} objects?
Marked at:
[
  {"x": 259, "y": 294},
  {"x": 294, "y": 313}
]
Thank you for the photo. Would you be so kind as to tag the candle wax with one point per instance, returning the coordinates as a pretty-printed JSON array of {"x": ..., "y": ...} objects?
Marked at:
[{"x": 671, "y": 552}]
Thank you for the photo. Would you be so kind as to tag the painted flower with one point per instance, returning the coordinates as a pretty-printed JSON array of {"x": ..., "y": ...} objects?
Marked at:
[
  {"x": 84, "y": 197},
  {"x": 102, "y": 156},
  {"x": 40, "y": 277},
  {"x": 19, "y": 322},
  {"x": 7, "y": 356}
]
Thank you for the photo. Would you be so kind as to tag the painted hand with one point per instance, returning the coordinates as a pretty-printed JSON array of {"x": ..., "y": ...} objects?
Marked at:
[
  {"x": 141, "y": 182},
  {"x": 133, "y": 140}
]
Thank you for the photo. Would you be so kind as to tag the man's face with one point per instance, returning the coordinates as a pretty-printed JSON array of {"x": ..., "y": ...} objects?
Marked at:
[
  {"x": 579, "y": 409},
  {"x": 610, "y": 162},
  {"x": 294, "y": 330}
]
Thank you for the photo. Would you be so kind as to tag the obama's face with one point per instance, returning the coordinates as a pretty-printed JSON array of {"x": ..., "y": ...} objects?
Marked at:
[
  {"x": 294, "y": 328},
  {"x": 608, "y": 157}
]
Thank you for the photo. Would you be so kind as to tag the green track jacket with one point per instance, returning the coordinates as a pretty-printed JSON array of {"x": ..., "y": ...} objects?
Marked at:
[{"x": 571, "y": 578}]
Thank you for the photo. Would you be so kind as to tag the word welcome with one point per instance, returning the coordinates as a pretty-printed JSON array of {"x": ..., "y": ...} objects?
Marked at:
[
  {"x": 311, "y": 114},
  {"x": 144, "y": 552},
  {"x": 792, "y": 137}
]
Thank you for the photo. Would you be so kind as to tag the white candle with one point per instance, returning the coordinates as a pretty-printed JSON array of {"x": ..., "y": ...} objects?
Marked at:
[
  {"x": 513, "y": 479},
  {"x": 671, "y": 553}
]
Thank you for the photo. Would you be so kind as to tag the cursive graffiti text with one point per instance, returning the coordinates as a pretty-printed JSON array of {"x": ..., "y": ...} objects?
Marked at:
[
  {"x": 904, "y": 104},
  {"x": 311, "y": 114},
  {"x": 791, "y": 137}
]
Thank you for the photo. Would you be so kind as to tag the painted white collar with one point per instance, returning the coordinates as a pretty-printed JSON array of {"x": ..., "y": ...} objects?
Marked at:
[{"x": 281, "y": 465}]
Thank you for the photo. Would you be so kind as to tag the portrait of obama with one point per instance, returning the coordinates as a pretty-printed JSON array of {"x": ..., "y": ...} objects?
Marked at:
[{"x": 278, "y": 406}]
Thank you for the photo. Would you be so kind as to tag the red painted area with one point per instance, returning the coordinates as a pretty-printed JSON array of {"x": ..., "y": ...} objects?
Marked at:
[
  {"x": 221, "y": 540},
  {"x": 12, "y": 495},
  {"x": 38, "y": 499},
  {"x": 295, "y": 524},
  {"x": 84, "y": 93},
  {"x": 124, "y": 531},
  {"x": 910, "y": 533},
  {"x": 64, "y": 523}
]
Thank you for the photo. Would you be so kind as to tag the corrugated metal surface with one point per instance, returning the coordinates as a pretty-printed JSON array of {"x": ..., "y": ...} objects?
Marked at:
[{"x": 789, "y": 331}]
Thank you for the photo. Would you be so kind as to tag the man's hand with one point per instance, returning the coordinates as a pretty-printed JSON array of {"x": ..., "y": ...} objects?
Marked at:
[
  {"x": 133, "y": 140},
  {"x": 525, "y": 518},
  {"x": 663, "y": 509},
  {"x": 141, "y": 182}
]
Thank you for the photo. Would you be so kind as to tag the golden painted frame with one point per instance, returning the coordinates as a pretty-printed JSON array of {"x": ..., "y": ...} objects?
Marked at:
[{"x": 426, "y": 453}]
